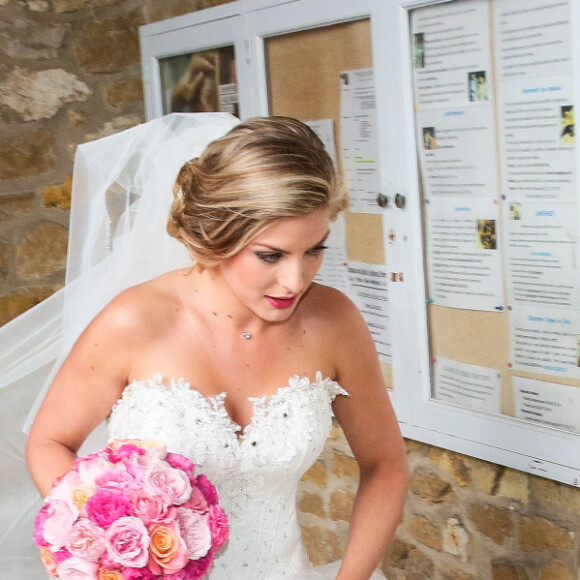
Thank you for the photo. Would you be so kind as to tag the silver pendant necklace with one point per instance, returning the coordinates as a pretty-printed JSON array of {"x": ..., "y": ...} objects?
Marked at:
[{"x": 246, "y": 335}]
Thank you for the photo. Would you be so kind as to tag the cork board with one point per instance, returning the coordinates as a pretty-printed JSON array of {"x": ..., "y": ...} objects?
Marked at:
[{"x": 303, "y": 70}]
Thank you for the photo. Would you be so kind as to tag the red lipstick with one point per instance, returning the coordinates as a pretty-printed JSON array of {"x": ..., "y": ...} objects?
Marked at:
[{"x": 281, "y": 303}]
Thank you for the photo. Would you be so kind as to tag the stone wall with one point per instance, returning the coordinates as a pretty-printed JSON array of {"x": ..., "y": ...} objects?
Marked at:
[
  {"x": 464, "y": 519},
  {"x": 69, "y": 73}
]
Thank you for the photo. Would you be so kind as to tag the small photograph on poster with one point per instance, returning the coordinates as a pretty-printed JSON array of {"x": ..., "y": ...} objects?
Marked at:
[
  {"x": 429, "y": 138},
  {"x": 200, "y": 82},
  {"x": 567, "y": 134},
  {"x": 486, "y": 235},
  {"x": 419, "y": 50},
  {"x": 477, "y": 84}
]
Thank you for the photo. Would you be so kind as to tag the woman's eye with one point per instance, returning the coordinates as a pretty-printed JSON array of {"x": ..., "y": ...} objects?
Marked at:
[
  {"x": 315, "y": 251},
  {"x": 268, "y": 257}
]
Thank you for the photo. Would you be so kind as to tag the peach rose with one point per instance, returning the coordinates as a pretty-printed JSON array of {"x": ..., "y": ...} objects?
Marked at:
[
  {"x": 48, "y": 560},
  {"x": 167, "y": 549},
  {"x": 106, "y": 574}
]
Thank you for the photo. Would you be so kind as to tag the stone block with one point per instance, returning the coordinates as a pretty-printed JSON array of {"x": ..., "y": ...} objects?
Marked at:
[
  {"x": 61, "y": 6},
  {"x": 321, "y": 545},
  {"x": 30, "y": 154},
  {"x": 341, "y": 505},
  {"x": 125, "y": 91},
  {"x": 430, "y": 486},
  {"x": 42, "y": 251},
  {"x": 454, "y": 463},
  {"x": 107, "y": 46},
  {"x": 426, "y": 532},
  {"x": 405, "y": 556},
  {"x": 28, "y": 39},
  {"x": 14, "y": 304},
  {"x": 37, "y": 95},
  {"x": 343, "y": 466},
  {"x": 484, "y": 475},
  {"x": 493, "y": 522},
  {"x": 555, "y": 494},
  {"x": 170, "y": 8},
  {"x": 539, "y": 534},
  {"x": 311, "y": 503},
  {"x": 415, "y": 447},
  {"x": 556, "y": 571},
  {"x": 515, "y": 485},
  {"x": 17, "y": 205},
  {"x": 115, "y": 126},
  {"x": 5, "y": 259},
  {"x": 504, "y": 571},
  {"x": 317, "y": 474},
  {"x": 456, "y": 574},
  {"x": 58, "y": 195},
  {"x": 455, "y": 538}
]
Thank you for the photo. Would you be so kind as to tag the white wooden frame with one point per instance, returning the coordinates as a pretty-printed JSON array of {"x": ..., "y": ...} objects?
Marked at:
[{"x": 246, "y": 24}]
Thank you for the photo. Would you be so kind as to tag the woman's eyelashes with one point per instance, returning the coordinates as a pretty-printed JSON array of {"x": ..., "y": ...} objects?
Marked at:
[{"x": 272, "y": 257}]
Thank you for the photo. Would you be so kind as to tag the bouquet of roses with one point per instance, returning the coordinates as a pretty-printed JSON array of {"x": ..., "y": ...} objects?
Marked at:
[{"x": 130, "y": 511}]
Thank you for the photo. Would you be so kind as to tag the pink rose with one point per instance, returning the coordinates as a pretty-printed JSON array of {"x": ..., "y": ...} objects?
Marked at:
[
  {"x": 38, "y": 533},
  {"x": 65, "y": 488},
  {"x": 183, "y": 463},
  {"x": 125, "y": 451},
  {"x": 89, "y": 470},
  {"x": 195, "y": 531},
  {"x": 196, "y": 569},
  {"x": 86, "y": 540},
  {"x": 148, "y": 508},
  {"x": 59, "y": 524},
  {"x": 151, "y": 448},
  {"x": 105, "y": 507},
  {"x": 197, "y": 501},
  {"x": 61, "y": 555},
  {"x": 77, "y": 569},
  {"x": 138, "y": 574},
  {"x": 207, "y": 488},
  {"x": 218, "y": 525},
  {"x": 118, "y": 481},
  {"x": 167, "y": 550},
  {"x": 127, "y": 542},
  {"x": 171, "y": 484}
]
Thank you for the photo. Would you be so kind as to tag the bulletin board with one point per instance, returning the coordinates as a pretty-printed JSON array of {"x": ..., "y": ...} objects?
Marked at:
[{"x": 463, "y": 372}]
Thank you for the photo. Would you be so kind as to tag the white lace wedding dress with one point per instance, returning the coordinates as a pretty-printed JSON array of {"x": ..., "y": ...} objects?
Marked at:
[{"x": 255, "y": 470}]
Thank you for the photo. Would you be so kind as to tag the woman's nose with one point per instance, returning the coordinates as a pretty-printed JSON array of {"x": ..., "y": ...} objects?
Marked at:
[{"x": 292, "y": 277}]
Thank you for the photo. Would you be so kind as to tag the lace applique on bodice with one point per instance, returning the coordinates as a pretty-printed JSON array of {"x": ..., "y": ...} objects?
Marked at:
[{"x": 255, "y": 470}]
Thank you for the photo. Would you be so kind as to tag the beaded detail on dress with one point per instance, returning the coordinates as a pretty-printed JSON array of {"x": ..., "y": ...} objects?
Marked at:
[{"x": 255, "y": 470}]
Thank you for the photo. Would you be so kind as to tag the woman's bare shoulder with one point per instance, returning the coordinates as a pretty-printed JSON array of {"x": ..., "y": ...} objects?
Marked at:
[
  {"x": 331, "y": 307},
  {"x": 142, "y": 308}
]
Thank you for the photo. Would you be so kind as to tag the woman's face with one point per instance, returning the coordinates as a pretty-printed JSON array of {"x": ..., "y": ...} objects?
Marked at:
[{"x": 272, "y": 273}]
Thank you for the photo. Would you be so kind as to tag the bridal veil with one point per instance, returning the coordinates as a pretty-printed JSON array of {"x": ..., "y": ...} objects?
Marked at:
[{"x": 122, "y": 192}]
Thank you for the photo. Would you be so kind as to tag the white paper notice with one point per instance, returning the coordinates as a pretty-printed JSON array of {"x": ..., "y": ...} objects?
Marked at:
[
  {"x": 324, "y": 128},
  {"x": 467, "y": 385},
  {"x": 545, "y": 341},
  {"x": 451, "y": 53},
  {"x": 334, "y": 269},
  {"x": 532, "y": 38},
  {"x": 369, "y": 290},
  {"x": 359, "y": 140},
  {"x": 548, "y": 404},
  {"x": 541, "y": 246},
  {"x": 537, "y": 139},
  {"x": 464, "y": 262},
  {"x": 458, "y": 155}
]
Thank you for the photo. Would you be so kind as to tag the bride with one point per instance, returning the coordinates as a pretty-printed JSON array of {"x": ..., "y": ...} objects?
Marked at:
[{"x": 240, "y": 360}]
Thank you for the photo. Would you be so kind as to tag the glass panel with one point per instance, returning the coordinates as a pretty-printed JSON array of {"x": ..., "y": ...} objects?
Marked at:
[{"x": 200, "y": 82}]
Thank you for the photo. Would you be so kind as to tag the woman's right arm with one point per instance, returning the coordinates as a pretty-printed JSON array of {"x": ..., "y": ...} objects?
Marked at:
[{"x": 89, "y": 382}]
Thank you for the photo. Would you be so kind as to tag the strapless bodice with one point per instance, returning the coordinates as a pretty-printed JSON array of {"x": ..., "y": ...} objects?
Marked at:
[{"x": 255, "y": 470}]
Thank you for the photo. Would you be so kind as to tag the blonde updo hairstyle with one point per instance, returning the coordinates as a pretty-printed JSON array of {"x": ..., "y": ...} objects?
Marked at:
[{"x": 263, "y": 170}]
